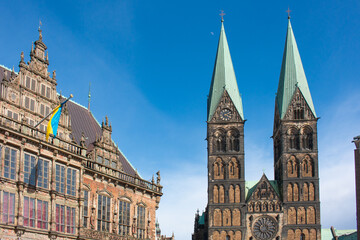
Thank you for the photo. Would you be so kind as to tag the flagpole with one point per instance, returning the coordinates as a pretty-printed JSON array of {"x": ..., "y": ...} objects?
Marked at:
[{"x": 53, "y": 111}]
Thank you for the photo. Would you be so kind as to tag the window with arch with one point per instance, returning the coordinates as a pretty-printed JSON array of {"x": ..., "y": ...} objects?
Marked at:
[
  {"x": 141, "y": 222},
  {"x": 103, "y": 223},
  {"x": 233, "y": 168},
  {"x": 294, "y": 139},
  {"x": 218, "y": 168},
  {"x": 219, "y": 141},
  {"x": 292, "y": 167},
  {"x": 302, "y": 237},
  {"x": 307, "y": 137},
  {"x": 86, "y": 208},
  {"x": 234, "y": 140},
  {"x": 307, "y": 167},
  {"x": 124, "y": 218}
]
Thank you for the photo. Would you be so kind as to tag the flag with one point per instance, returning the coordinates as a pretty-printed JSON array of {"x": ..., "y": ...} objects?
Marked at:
[{"x": 54, "y": 121}]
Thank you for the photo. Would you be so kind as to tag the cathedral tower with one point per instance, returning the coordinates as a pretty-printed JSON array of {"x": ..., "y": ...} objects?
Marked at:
[
  {"x": 225, "y": 136},
  {"x": 295, "y": 147}
]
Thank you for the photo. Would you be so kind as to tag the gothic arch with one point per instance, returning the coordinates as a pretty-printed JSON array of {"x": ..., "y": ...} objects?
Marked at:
[
  {"x": 310, "y": 214},
  {"x": 223, "y": 235},
  {"x": 312, "y": 234},
  {"x": 290, "y": 192},
  {"x": 307, "y": 137},
  {"x": 217, "y": 218},
  {"x": 237, "y": 235},
  {"x": 230, "y": 234},
  {"x": 226, "y": 217},
  {"x": 236, "y": 221},
  {"x": 307, "y": 167},
  {"x": 293, "y": 138},
  {"x": 219, "y": 140},
  {"x": 233, "y": 168},
  {"x": 311, "y": 192},
  {"x": 216, "y": 194},
  {"x": 305, "y": 192},
  {"x": 218, "y": 168},
  {"x": 297, "y": 234},
  {"x": 221, "y": 194},
  {"x": 291, "y": 215},
  {"x": 290, "y": 234},
  {"x": 293, "y": 167},
  {"x": 234, "y": 140},
  {"x": 301, "y": 215},
  {"x": 237, "y": 194},
  {"x": 305, "y": 233},
  {"x": 296, "y": 192},
  {"x": 231, "y": 194},
  {"x": 216, "y": 235}
]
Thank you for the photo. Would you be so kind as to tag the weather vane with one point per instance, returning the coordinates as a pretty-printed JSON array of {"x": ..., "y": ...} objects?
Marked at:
[
  {"x": 288, "y": 11},
  {"x": 222, "y": 14},
  {"x": 40, "y": 23}
]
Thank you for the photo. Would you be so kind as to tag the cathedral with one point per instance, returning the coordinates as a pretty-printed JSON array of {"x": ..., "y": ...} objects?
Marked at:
[
  {"x": 77, "y": 185},
  {"x": 287, "y": 207}
]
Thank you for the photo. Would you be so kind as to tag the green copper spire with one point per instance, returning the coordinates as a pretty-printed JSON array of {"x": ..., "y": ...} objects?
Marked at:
[
  {"x": 223, "y": 78},
  {"x": 292, "y": 75}
]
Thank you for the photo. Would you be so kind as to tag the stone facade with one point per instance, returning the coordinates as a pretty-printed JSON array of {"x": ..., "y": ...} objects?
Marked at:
[
  {"x": 285, "y": 208},
  {"x": 77, "y": 185}
]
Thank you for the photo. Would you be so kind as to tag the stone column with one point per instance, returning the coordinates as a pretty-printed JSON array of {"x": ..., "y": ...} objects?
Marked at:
[{"x": 20, "y": 182}]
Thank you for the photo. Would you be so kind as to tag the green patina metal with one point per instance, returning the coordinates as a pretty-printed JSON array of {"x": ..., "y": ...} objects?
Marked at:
[
  {"x": 292, "y": 75},
  {"x": 223, "y": 79}
]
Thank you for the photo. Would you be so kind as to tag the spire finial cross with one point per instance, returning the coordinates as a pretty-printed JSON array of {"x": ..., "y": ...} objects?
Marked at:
[
  {"x": 288, "y": 11},
  {"x": 222, "y": 14}
]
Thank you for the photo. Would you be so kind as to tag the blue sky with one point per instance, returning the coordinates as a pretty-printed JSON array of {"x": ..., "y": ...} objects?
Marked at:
[{"x": 150, "y": 65}]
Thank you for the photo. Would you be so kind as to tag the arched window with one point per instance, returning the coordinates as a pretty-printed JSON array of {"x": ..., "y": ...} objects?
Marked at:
[
  {"x": 307, "y": 167},
  {"x": 294, "y": 139},
  {"x": 307, "y": 137},
  {"x": 234, "y": 143},
  {"x": 233, "y": 168},
  {"x": 218, "y": 169},
  {"x": 219, "y": 141},
  {"x": 292, "y": 167},
  {"x": 302, "y": 237}
]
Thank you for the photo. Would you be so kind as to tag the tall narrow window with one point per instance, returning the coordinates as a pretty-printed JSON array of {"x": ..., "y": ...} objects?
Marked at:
[
  {"x": 42, "y": 214},
  {"x": 60, "y": 218},
  {"x": 8, "y": 208},
  {"x": 60, "y": 178},
  {"x": 29, "y": 212},
  {"x": 43, "y": 173},
  {"x": 103, "y": 213},
  {"x": 10, "y": 163},
  {"x": 86, "y": 208},
  {"x": 141, "y": 222},
  {"x": 70, "y": 220},
  {"x": 29, "y": 169},
  {"x": 71, "y": 182},
  {"x": 124, "y": 218}
]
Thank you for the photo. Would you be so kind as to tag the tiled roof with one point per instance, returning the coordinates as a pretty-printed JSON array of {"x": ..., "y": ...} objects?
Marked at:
[{"x": 82, "y": 121}]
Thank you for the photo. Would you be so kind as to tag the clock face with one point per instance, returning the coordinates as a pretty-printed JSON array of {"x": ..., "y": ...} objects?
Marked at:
[{"x": 225, "y": 114}]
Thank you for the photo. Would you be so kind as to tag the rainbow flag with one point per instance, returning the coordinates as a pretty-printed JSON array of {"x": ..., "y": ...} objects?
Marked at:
[{"x": 54, "y": 121}]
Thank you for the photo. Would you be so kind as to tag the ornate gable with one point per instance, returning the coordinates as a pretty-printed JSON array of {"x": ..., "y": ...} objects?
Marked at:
[
  {"x": 263, "y": 197},
  {"x": 231, "y": 114},
  {"x": 298, "y": 108}
]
